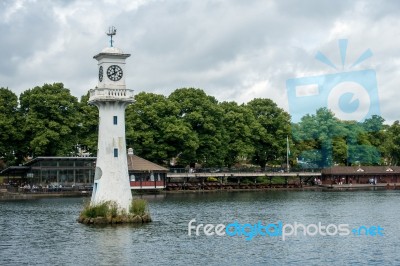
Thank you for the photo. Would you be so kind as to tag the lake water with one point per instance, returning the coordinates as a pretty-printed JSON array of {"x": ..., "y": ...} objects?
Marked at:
[{"x": 44, "y": 231}]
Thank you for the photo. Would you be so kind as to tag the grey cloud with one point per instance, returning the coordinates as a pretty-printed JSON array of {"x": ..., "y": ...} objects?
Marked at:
[{"x": 228, "y": 48}]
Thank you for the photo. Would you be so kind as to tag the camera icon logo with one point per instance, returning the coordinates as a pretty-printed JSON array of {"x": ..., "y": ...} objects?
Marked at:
[{"x": 351, "y": 95}]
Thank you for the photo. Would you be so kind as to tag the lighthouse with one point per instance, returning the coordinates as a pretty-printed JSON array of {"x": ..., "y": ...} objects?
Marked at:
[{"x": 111, "y": 181}]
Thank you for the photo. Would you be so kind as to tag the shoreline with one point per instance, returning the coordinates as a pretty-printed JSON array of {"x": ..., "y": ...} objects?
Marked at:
[
  {"x": 305, "y": 188},
  {"x": 6, "y": 196}
]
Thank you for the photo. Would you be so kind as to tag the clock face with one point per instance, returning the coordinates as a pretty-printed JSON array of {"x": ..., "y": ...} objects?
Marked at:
[
  {"x": 114, "y": 73},
  {"x": 101, "y": 73}
]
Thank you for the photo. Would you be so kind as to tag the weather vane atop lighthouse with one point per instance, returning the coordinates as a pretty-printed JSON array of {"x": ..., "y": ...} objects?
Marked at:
[{"x": 111, "y": 32}]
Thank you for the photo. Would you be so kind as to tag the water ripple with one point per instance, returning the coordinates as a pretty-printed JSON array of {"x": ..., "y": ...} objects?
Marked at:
[{"x": 45, "y": 231}]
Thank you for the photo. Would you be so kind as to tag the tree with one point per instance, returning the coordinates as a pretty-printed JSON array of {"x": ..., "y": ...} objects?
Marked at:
[
  {"x": 321, "y": 134},
  {"x": 325, "y": 140},
  {"x": 376, "y": 135},
  {"x": 369, "y": 142},
  {"x": 88, "y": 125},
  {"x": 51, "y": 120},
  {"x": 10, "y": 133},
  {"x": 155, "y": 130},
  {"x": 361, "y": 147},
  {"x": 392, "y": 143},
  {"x": 238, "y": 123},
  {"x": 270, "y": 131},
  {"x": 205, "y": 118}
]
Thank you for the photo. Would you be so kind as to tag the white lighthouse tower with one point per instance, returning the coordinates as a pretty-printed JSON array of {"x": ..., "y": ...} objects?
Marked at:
[{"x": 111, "y": 97}]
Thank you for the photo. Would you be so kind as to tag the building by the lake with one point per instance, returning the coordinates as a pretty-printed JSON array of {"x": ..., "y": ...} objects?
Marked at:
[
  {"x": 360, "y": 174},
  {"x": 79, "y": 172}
]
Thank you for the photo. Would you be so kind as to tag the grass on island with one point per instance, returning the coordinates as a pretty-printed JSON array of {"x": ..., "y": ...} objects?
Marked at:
[
  {"x": 139, "y": 207},
  {"x": 109, "y": 211},
  {"x": 100, "y": 210}
]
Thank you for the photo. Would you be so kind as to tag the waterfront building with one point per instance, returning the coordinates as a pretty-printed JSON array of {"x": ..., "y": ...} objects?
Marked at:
[
  {"x": 360, "y": 174},
  {"x": 144, "y": 174},
  {"x": 53, "y": 172},
  {"x": 78, "y": 173}
]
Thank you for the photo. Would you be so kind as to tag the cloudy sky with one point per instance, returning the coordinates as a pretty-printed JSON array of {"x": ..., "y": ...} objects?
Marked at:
[{"x": 234, "y": 50}]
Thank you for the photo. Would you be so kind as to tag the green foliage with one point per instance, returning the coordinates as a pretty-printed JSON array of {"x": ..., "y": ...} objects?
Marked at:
[
  {"x": 106, "y": 209},
  {"x": 325, "y": 140},
  {"x": 247, "y": 180},
  {"x": 109, "y": 213},
  {"x": 52, "y": 119},
  {"x": 391, "y": 145},
  {"x": 262, "y": 180},
  {"x": 155, "y": 130},
  {"x": 113, "y": 209},
  {"x": 99, "y": 210},
  {"x": 138, "y": 207},
  {"x": 204, "y": 116},
  {"x": 192, "y": 127},
  {"x": 269, "y": 132},
  {"x": 238, "y": 123},
  {"x": 212, "y": 179},
  {"x": 88, "y": 124},
  {"x": 319, "y": 133},
  {"x": 10, "y": 133},
  {"x": 278, "y": 180}
]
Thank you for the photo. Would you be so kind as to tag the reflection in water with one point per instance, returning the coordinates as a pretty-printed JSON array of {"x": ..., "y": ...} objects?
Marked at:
[
  {"x": 113, "y": 244},
  {"x": 45, "y": 231}
]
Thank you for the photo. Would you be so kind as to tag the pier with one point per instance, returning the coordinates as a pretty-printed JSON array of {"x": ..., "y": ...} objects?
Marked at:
[
  {"x": 211, "y": 180},
  {"x": 242, "y": 174}
]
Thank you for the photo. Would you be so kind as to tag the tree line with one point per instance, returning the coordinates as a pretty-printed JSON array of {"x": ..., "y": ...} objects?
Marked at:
[{"x": 189, "y": 127}]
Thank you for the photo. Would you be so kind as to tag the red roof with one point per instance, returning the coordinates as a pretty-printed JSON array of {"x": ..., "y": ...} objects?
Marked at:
[
  {"x": 361, "y": 170},
  {"x": 138, "y": 164}
]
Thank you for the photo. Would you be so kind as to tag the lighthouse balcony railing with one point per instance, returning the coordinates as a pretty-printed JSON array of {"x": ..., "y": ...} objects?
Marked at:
[{"x": 111, "y": 94}]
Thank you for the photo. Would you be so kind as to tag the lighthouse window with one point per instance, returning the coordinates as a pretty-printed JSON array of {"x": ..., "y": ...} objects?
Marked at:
[
  {"x": 115, "y": 152},
  {"x": 115, "y": 119}
]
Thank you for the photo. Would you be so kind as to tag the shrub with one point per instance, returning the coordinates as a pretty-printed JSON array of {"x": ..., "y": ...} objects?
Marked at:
[
  {"x": 212, "y": 179},
  {"x": 100, "y": 210},
  {"x": 262, "y": 180},
  {"x": 113, "y": 209},
  {"x": 138, "y": 207},
  {"x": 278, "y": 180},
  {"x": 247, "y": 181},
  {"x": 109, "y": 213}
]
